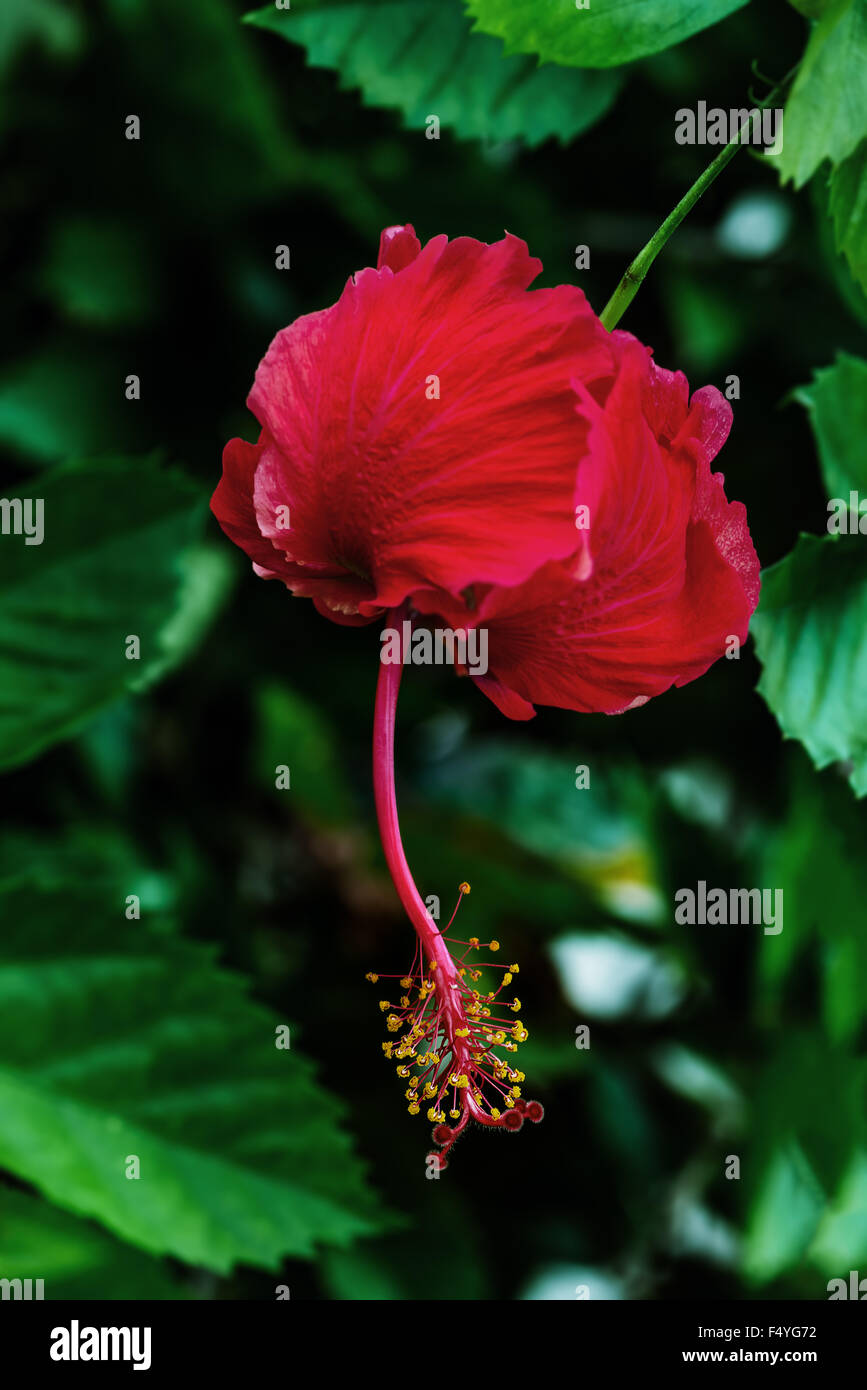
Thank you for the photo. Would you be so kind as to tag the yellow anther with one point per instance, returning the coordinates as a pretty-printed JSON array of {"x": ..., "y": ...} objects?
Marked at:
[
  {"x": 413, "y": 1108},
  {"x": 433, "y": 965},
  {"x": 406, "y": 982},
  {"x": 515, "y": 1005},
  {"x": 465, "y": 888},
  {"x": 495, "y": 1114},
  {"x": 371, "y": 977},
  {"x": 384, "y": 1004},
  {"x": 462, "y": 1032},
  {"x": 494, "y": 945},
  {"x": 514, "y": 969},
  {"x": 387, "y": 1047},
  {"x": 403, "y": 1070},
  {"x": 474, "y": 942},
  {"x": 507, "y": 978},
  {"x": 404, "y": 999}
]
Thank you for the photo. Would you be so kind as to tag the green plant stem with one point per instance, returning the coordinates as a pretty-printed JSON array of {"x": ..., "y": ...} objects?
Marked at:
[{"x": 638, "y": 268}]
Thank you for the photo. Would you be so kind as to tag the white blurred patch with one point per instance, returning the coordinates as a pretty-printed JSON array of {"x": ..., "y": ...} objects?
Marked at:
[
  {"x": 608, "y": 976},
  {"x": 756, "y": 225},
  {"x": 573, "y": 1283},
  {"x": 698, "y": 1232}
]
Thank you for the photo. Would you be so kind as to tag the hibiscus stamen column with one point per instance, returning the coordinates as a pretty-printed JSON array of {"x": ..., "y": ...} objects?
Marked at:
[{"x": 451, "y": 1034}]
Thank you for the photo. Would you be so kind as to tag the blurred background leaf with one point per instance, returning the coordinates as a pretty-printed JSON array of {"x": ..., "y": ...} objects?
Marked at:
[
  {"x": 115, "y": 565},
  {"x": 75, "y": 1258}
]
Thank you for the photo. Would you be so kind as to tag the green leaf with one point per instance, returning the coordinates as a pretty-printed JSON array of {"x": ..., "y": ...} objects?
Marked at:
[
  {"x": 389, "y": 1269},
  {"x": 420, "y": 57},
  {"x": 830, "y": 1128},
  {"x": 601, "y": 35},
  {"x": 63, "y": 403},
  {"x": 840, "y": 1244},
  {"x": 295, "y": 734},
  {"x": 848, "y": 208},
  {"x": 811, "y": 638},
  {"x": 836, "y": 401},
  {"x": 596, "y": 834},
  {"x": 55, "y": 27},
  {"x": 815, "y": 859},
  {"x": 75, "y": 1258},
  {"x": 100, "y": 271},
  {"x": 826, "y": 113},
  {"x": 784, "y": 1216},
  {"x": 120, "y": 1039},
  {"x": 118, "y": 559}
]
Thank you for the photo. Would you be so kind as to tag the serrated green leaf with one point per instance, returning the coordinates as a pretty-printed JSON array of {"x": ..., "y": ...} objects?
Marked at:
[
  {"x": 118, "y": 559},
  {"x": 74, "y": 1258},
  {"x": 836, "y": 401},
  {"x": 120, "y": 1039},
  {"x": 600, "y": 35},
  {"x": 848, "y": 208},
  {"x": 826, "y": 113},
  {"x": 421, "y": 57},
  {"x": 811, "y": 638}
]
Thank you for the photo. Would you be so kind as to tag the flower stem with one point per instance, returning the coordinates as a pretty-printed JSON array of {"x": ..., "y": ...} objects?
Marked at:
[
  {"x": 638, "y": 268},
  {"x": 387, "y": 688}
]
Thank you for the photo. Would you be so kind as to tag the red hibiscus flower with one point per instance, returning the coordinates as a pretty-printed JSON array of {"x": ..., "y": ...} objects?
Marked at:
[{"x": 444, "y": 441}]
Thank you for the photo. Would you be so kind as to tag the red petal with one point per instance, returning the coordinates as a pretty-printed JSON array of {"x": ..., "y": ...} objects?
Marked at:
[
  {"x": 397, "y": 491},
  {"x": 398, "y": 246},
  {"x": 674, "y": 572}
]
